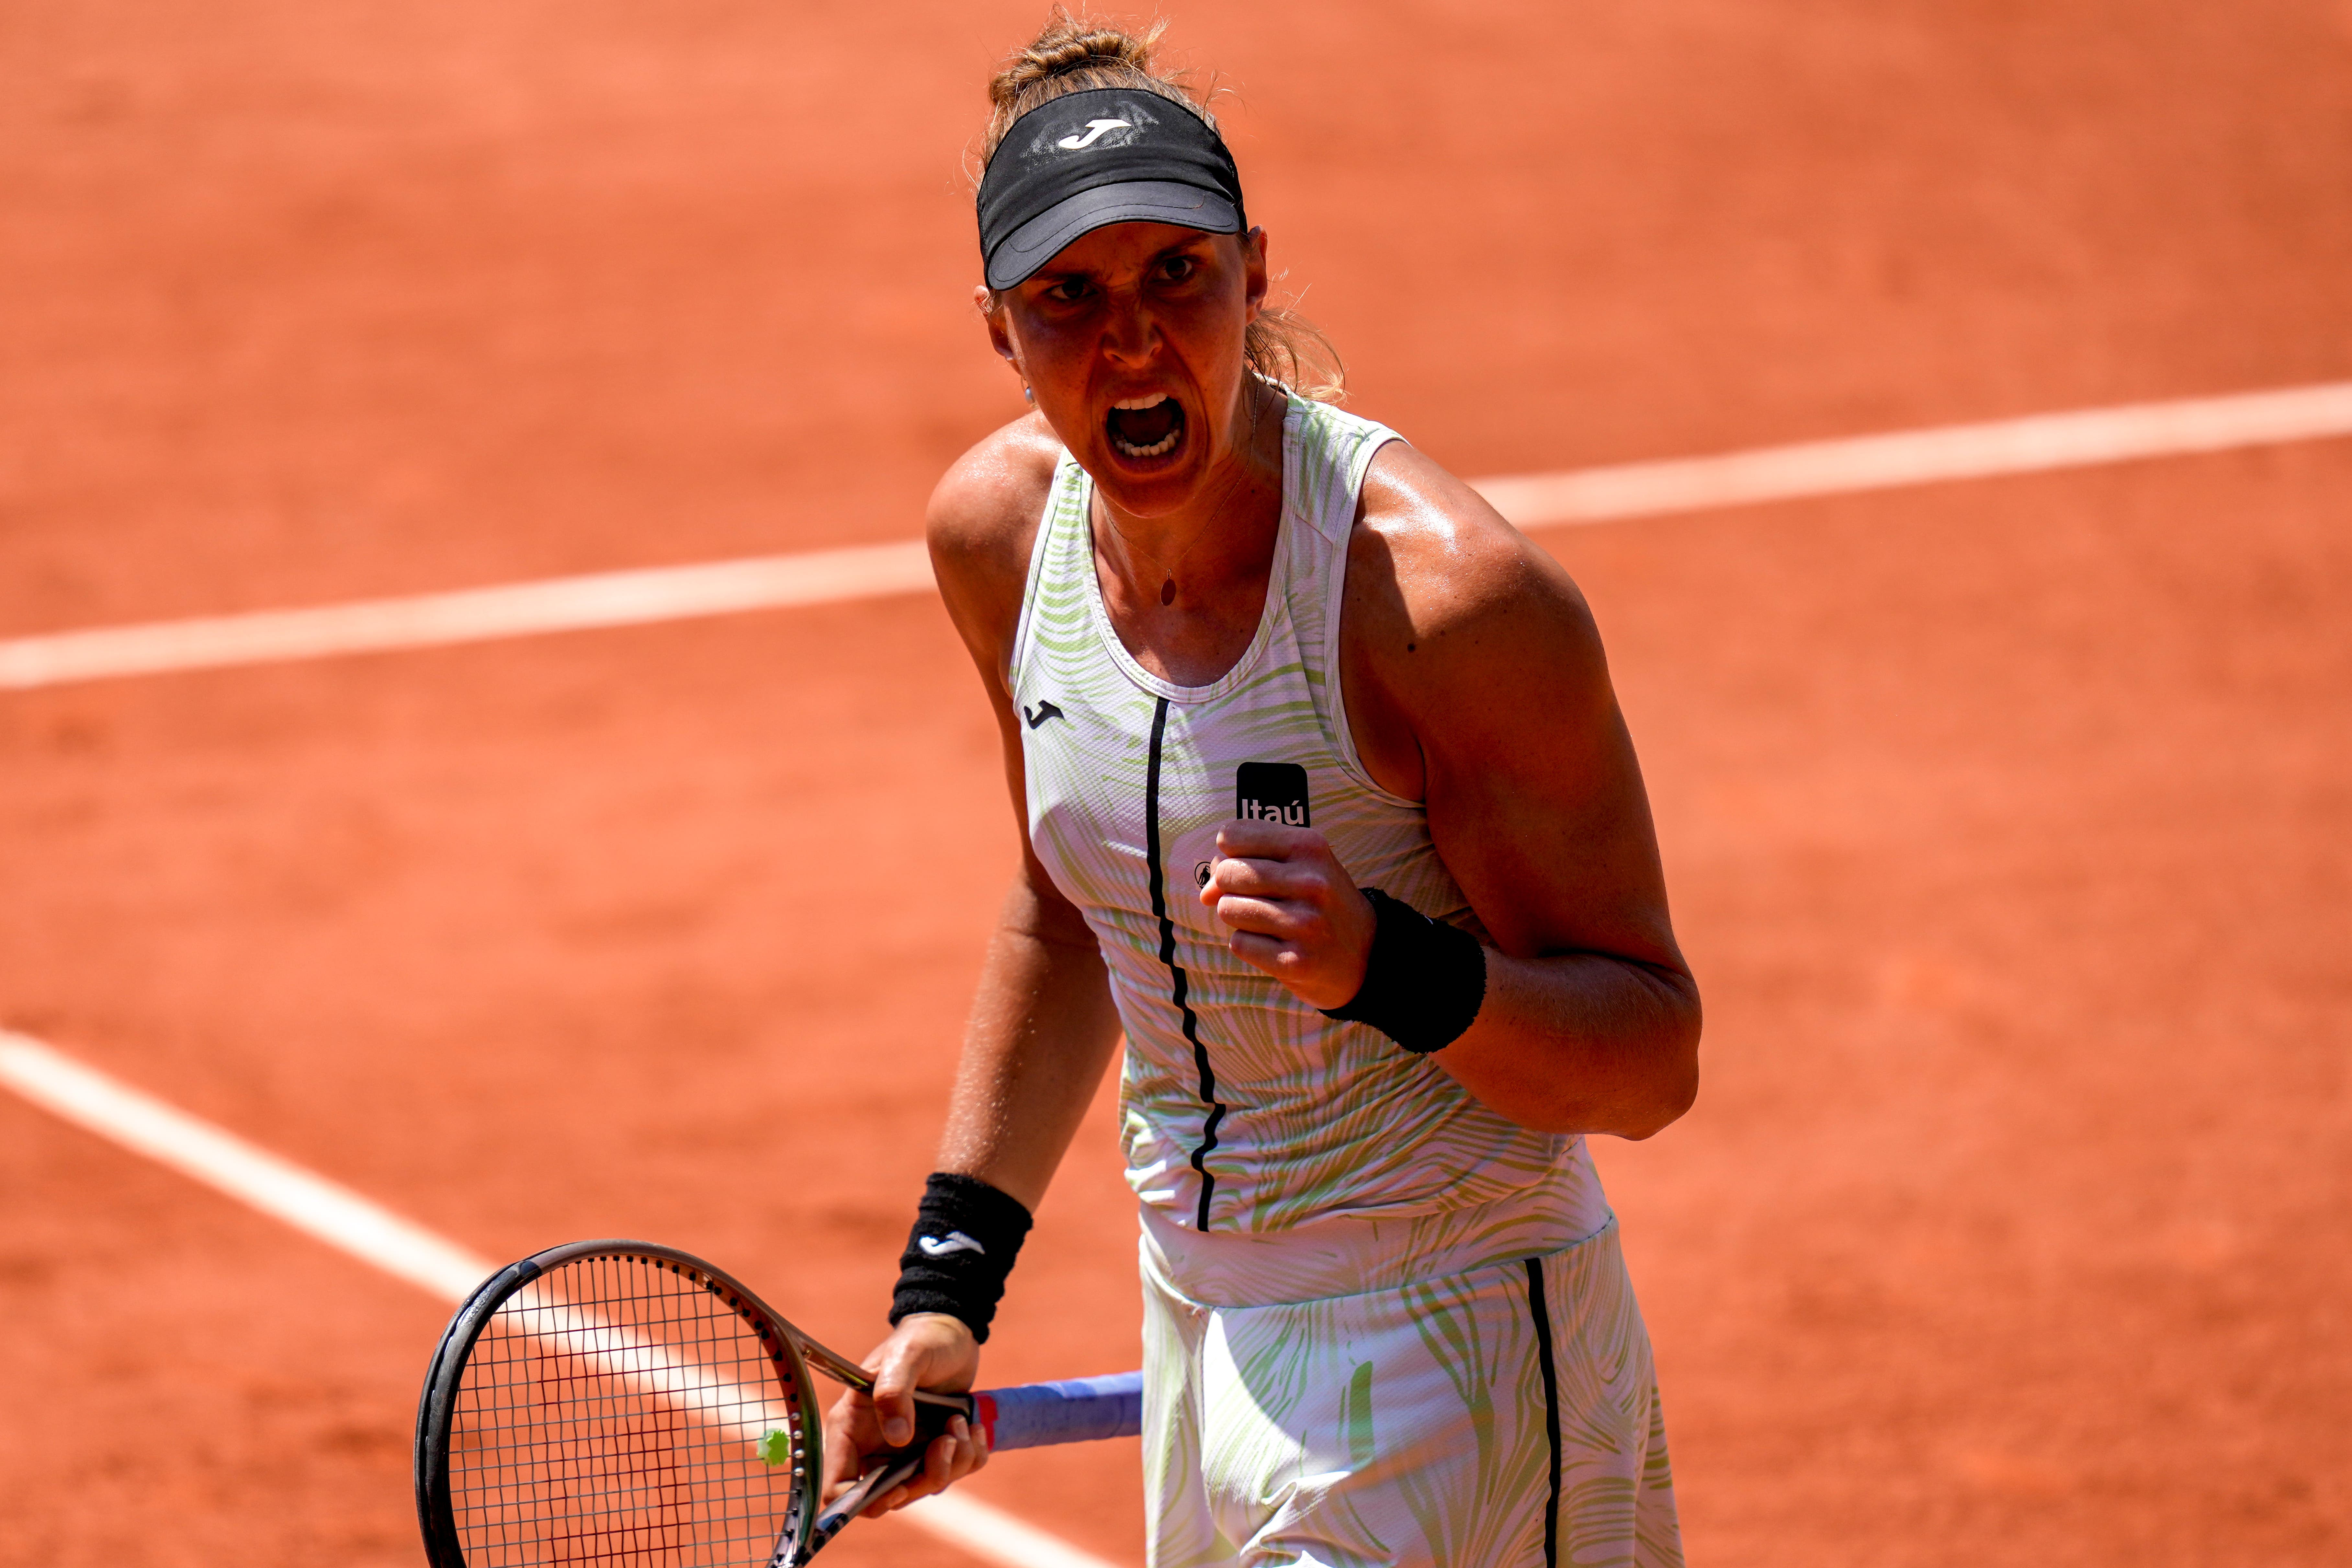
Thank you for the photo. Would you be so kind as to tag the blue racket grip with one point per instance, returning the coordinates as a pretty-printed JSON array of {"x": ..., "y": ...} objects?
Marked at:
[{"x": 1081, "y": 1410}]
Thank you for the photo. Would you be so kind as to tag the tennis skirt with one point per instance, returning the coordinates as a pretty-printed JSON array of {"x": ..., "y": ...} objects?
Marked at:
[{"x": 1504, "y": 1416}]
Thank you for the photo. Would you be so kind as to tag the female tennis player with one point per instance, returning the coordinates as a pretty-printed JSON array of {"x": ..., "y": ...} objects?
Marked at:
[{"x": 1326, "y": 804}]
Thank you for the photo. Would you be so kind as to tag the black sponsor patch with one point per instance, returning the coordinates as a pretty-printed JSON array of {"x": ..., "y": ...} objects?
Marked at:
[{"x": 1271, "y": 792}]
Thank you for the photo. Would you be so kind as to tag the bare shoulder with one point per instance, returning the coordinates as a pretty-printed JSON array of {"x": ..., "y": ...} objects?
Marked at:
[
  {"x": 1443, "y": 589},
  {"x": 982, "y": 522},
  {"x": 983, "y": 513},
  {"x": 1477, "y": 685}
]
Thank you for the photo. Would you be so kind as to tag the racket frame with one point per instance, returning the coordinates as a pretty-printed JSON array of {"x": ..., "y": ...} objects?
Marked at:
[{"x": 808, "y": 1526}]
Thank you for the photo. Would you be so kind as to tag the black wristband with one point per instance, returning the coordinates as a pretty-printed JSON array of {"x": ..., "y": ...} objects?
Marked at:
[
  {"x": 965, "y": 1238},
  {"x": 1423, "y": 982}
]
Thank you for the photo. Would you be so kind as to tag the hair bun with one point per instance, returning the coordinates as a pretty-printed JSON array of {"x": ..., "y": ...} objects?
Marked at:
[{"x": 1068, "y": 46}]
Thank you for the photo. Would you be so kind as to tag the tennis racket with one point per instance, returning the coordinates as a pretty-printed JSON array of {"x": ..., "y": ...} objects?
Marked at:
[{"x": 616, "y": 1402}]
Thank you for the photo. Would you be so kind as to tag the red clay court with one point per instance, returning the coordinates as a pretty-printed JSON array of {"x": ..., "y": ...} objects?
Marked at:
[{"x": 2008, "y": 821}]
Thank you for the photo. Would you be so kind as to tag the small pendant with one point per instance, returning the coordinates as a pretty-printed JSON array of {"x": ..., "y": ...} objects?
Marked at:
[{"x": 1167, "y": 591}]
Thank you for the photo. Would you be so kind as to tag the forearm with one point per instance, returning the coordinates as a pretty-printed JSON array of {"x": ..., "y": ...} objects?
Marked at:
[
  {"x": 1578, "y": 1042},
  {"x": 1042, "y": 1027},
  {"x": 1582, "y": 1043},
  {"x": 1041, "y": 1030}
]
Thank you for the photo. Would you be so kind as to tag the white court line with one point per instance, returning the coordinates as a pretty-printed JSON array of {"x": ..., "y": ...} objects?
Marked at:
[
  {"x": 331, "y": 1212},
  {"x": 469, "y": 615},
  {"x": 2037, "y": 444}
]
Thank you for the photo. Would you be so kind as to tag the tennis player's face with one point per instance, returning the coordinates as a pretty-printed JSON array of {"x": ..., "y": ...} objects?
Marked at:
[{"x": 1131, "y": 340}]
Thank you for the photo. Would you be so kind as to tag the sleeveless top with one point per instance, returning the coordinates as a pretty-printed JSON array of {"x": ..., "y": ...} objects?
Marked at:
[{"x": 1244, "y": 1109}]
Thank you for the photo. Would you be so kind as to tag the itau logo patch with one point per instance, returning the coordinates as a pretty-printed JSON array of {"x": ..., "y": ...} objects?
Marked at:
[{"x": 1271, "y": 792}]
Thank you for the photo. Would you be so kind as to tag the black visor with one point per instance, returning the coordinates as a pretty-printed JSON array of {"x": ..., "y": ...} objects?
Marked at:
[{"x": 1088, "y": 159}]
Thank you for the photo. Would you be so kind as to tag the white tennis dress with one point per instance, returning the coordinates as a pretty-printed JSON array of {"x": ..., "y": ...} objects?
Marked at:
[{"x": 1384, "y": 1325}]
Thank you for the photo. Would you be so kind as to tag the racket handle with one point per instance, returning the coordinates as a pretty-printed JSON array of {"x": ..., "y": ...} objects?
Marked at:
[{"x": 1080, "y": 1410}]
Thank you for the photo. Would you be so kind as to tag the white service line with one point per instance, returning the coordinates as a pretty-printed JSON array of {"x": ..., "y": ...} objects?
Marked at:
[
  {"x": 367, "y": 1231},
  {"x": 2036, "y": 444},
  {"x": 469, "y": 615}
]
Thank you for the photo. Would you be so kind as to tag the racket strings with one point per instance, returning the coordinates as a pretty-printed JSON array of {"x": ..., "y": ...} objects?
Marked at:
[{"x": 609, "y": 1414}]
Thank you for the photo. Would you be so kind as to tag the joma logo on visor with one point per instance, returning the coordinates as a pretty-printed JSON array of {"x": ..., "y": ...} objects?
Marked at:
[{"x": 1094, "y": 128}]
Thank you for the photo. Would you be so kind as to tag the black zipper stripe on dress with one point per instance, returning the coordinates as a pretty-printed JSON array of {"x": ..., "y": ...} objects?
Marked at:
[
  {"x": 1542, "y": 1315},
  {"x": 1179, "y": 985}
]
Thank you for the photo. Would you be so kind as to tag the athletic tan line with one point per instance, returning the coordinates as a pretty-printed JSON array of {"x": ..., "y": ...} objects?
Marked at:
[
  {"x": 2038, "y": 444},
  {"x": 328, "y": 1211}
]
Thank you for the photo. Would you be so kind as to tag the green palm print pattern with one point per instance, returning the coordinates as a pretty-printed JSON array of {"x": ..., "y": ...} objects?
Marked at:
[
  {"x": 1318, "y": 1118},
  {"x": 1409, "y": 1427}
]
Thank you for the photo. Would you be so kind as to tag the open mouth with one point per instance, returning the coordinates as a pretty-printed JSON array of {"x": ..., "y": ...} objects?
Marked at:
[{"x": 1150, "y": 427}]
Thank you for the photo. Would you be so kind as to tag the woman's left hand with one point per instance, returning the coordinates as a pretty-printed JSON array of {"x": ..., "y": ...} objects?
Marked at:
[{"x": 1293, "y": 911}]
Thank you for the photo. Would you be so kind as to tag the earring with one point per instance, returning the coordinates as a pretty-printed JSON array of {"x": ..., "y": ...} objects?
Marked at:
[{"x": 1027, "y": 396}]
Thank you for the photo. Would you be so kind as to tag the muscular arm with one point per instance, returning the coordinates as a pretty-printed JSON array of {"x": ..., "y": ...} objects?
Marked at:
[
  {"x": 1042, "y": 1025},
  {"x": 1474, "y": 680},
  {"x": 1041, "y": 1033}
]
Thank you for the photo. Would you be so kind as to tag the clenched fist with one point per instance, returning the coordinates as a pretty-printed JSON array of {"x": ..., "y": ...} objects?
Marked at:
[{"x": 1293, "y": 911}]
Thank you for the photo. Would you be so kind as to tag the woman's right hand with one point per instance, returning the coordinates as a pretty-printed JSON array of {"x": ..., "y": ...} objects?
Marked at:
[{"x": 926, "y": 1350}]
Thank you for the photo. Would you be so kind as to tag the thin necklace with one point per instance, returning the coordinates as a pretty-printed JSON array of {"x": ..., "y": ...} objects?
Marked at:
[{"x": 1168, "y": 588}]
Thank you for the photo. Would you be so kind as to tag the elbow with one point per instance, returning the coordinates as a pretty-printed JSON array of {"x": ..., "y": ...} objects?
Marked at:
[
  {"x": 1632, "y": 1083},
  {"x": 1672, "y": 1087},
  {"x": 1637, "y": 1107},
  {"x": 1675, "y": 1093}
]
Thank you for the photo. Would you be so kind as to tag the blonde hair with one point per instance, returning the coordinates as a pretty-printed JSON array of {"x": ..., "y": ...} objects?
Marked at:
[{"x": 1077, "y": 54}]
